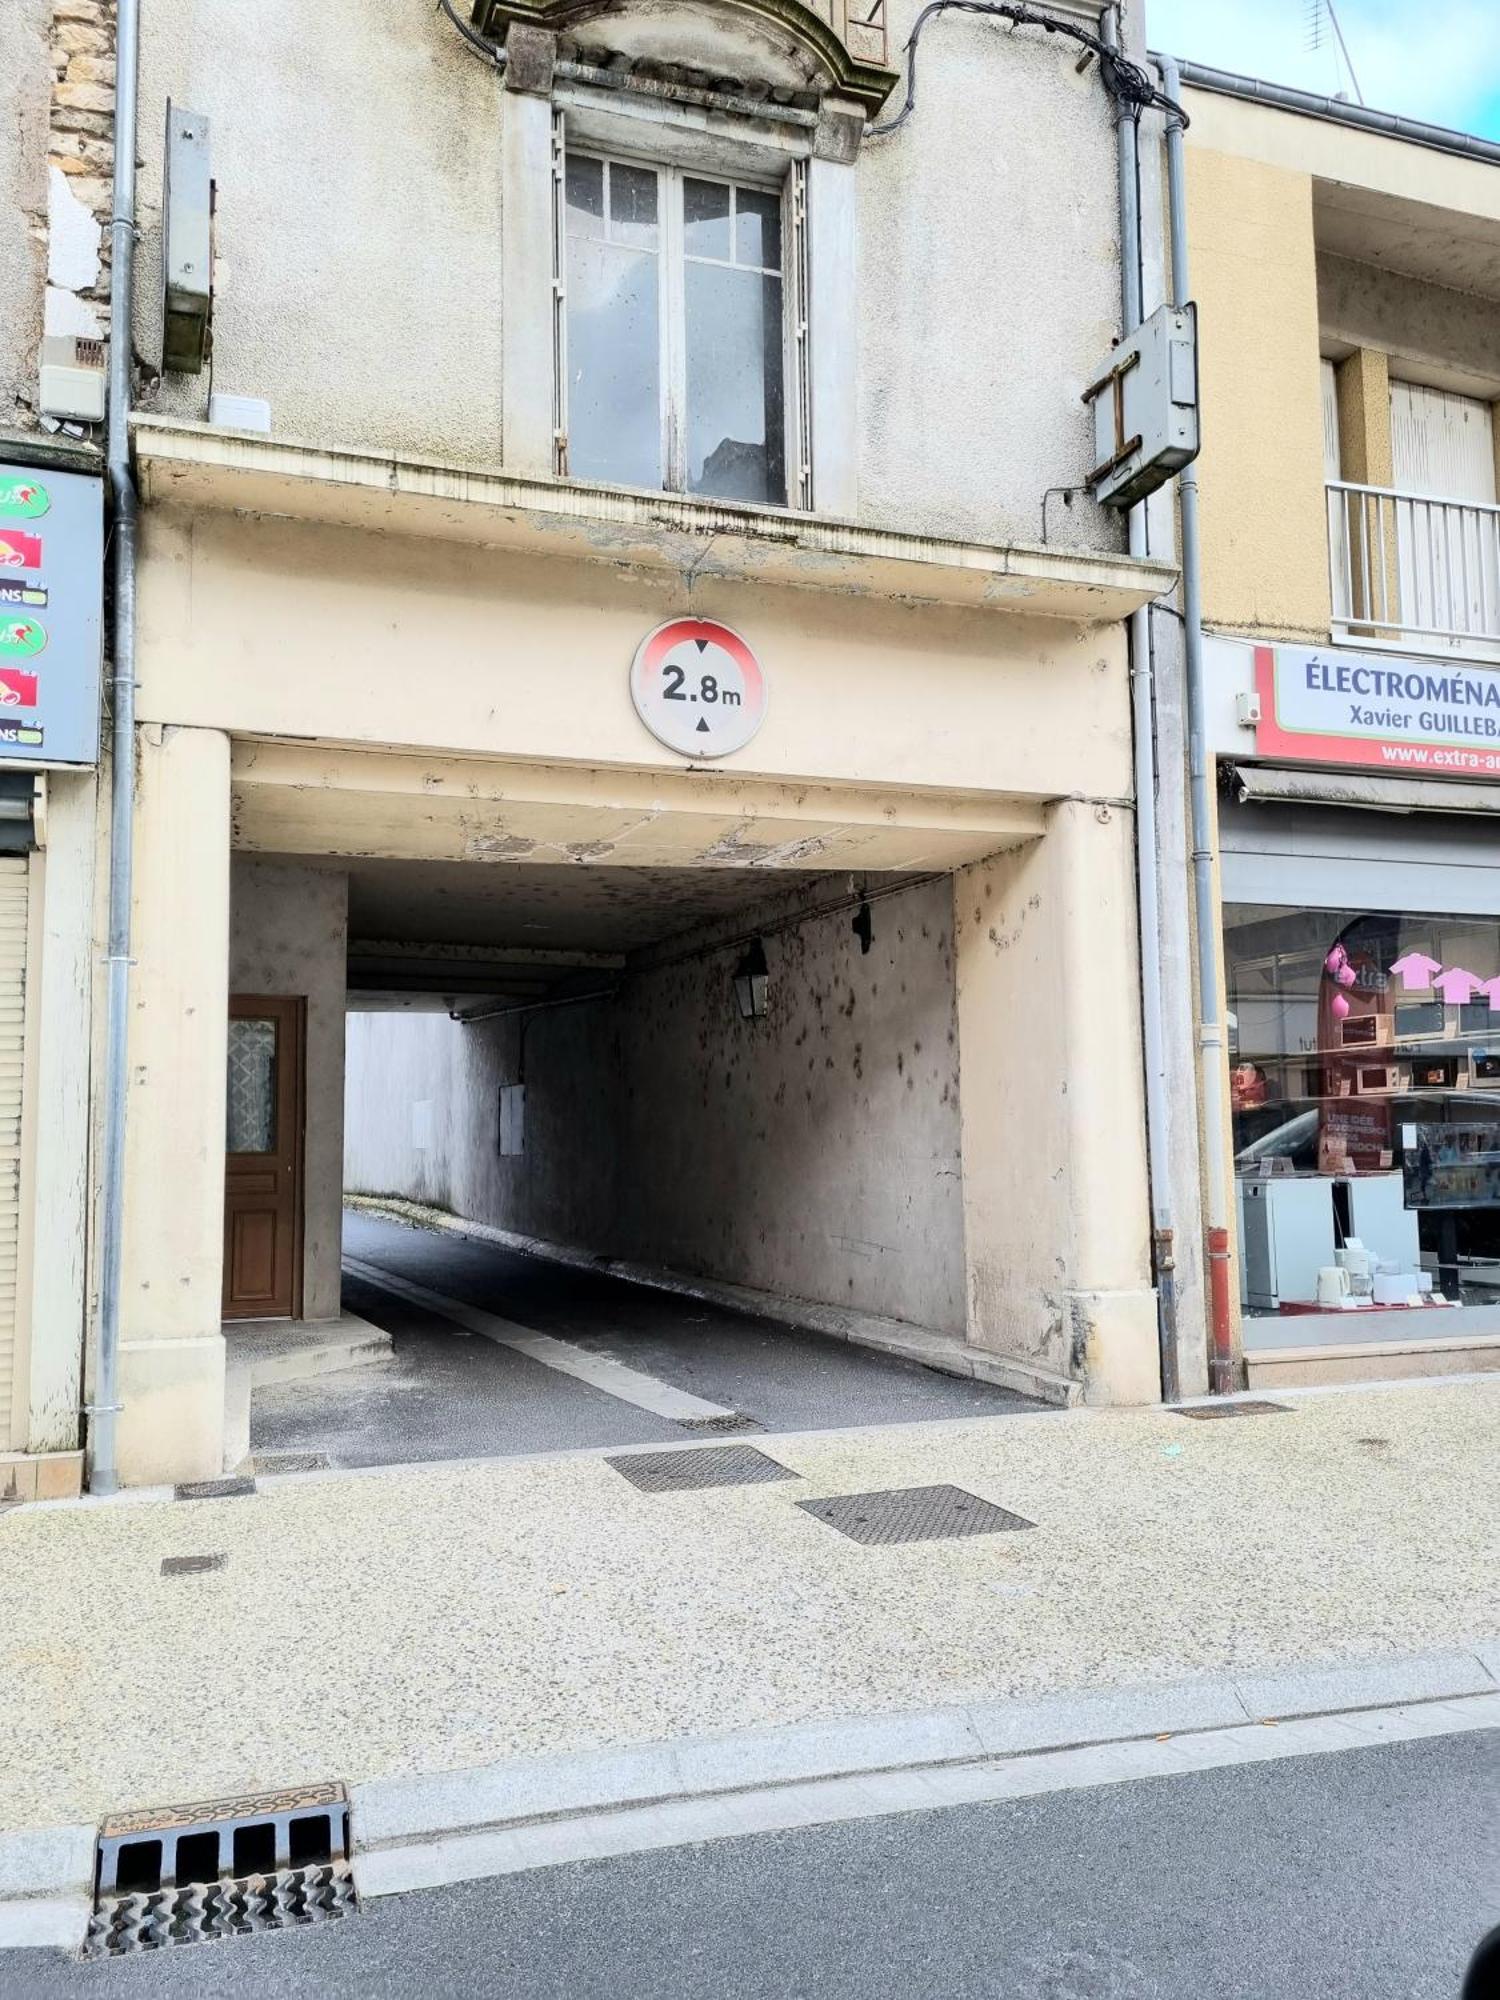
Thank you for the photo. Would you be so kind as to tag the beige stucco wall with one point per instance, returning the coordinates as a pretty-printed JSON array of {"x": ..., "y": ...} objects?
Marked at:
[
  {"x": 1052, "y": 1106},
  {"x": 357, "y": 153},
  {"x": 271, "y": 627},
  {"x": 171, "y": 1346},
  {"x": 1265, "y": 565},
  {"x": 289, "y": 935}
]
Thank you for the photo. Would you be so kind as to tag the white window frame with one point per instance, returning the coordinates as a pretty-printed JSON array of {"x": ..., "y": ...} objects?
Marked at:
[{"x": 790, "y": 186}]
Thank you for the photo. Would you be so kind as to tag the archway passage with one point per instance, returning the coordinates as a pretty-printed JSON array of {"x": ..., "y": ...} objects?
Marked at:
[{"x": 607, "y": 1186}]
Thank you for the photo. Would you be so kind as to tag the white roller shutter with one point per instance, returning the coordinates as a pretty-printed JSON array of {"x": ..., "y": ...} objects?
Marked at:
[
  {"x": 1330, "y": 422},
  {"x": 1442, "y": 446},
  {"x": 15, "y": 885}
]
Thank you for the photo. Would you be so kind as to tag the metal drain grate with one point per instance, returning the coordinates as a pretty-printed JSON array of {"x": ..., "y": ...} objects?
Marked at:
[
  {"x": 690, "y": 1471},
  {"x": 733, "y": 1420},
  {"x": 1207, "y": 1412},
  {"x": 913, "y": 1514},
  {"x": 267, "y": 1462},
  {"x": 213, "y": 1489},
  {"x": 257, "y": 1834},
  {"x": 199, "y": 1911}
]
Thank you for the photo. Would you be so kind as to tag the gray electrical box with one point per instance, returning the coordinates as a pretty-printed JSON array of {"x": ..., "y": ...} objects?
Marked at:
[
  {"x": 186, "y": 243},
  {"x": 1146, "y": 408}
]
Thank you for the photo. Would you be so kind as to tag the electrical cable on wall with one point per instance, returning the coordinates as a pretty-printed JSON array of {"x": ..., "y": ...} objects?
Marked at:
[{"x": 1125, "y": 81}]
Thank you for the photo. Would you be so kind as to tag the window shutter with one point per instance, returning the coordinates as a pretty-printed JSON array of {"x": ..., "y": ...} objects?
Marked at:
[
  {"x": 559, "y": 298},
  {"x": 15, "y": 883},
  {"x": 799, "y": 356}
]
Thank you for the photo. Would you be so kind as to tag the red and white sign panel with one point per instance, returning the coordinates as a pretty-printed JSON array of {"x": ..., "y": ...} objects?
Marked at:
[
  {"x": 698, "y": 687},
  {"x": 1385, "y": 712}
]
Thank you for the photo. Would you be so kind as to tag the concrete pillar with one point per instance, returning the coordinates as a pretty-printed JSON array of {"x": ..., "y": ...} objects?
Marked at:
[
  {"x": 172, "y": 1346},
  {"x": 1365, "y": 459},
  {"x": 1056, "y": 1214}
]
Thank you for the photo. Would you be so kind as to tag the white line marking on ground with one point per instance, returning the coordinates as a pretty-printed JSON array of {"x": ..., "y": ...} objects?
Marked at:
[
  {"x": 470, "y": 1856},
  {"x": 600, "y": 1371}
]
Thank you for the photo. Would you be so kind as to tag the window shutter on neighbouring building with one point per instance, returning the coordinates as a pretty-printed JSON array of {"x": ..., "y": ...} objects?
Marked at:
[{"x": 15, "y": 910}]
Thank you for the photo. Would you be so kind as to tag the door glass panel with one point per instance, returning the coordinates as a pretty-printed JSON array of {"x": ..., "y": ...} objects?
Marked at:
[{"x": 252, "y": 1086}]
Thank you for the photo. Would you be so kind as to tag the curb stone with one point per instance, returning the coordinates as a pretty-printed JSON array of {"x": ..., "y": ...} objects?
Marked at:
[{"x": 429, "y": 1829}]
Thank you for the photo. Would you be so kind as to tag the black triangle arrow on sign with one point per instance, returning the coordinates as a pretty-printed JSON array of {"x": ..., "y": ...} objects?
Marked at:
[
  {"x": 702, "y": 727},
  {"x": 701, "y": 644}
]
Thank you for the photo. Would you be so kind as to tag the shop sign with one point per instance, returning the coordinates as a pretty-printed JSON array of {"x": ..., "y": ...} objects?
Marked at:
[
  {"x": 51, "y": 615},
  {"x": 698, "y": 687},
  {"x": 1383, "y": 711}
]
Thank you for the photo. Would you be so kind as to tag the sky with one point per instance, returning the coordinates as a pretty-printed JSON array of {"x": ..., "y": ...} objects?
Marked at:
[{"x": 1433, "y": 59}]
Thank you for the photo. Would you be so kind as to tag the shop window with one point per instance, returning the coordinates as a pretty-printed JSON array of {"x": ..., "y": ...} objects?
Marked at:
[
  {"x": 1365, "y": 1093},
  {"x": 675, "y": 341}
]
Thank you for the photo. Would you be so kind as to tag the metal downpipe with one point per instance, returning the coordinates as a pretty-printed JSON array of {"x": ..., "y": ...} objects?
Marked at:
[
  {"x": 1143, "y": 731},
  {"x": 1205, "y": 909},
  {"x": 105, "y": 1406}
]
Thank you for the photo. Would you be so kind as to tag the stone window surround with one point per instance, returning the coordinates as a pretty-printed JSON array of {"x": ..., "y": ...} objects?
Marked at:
[{"x": 676, "y": 134}]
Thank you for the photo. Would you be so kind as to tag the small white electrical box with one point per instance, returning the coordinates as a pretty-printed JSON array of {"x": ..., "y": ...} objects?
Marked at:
[
  {"x": 1145, "y": 408},
  {"x": 71, "y": 379},
  {"x": 1247, "y": 709},
  {"x": 239, "y": 413}
]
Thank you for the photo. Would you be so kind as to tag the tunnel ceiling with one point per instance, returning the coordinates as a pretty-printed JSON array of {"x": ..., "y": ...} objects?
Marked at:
[{"x": 446, "y": 931}]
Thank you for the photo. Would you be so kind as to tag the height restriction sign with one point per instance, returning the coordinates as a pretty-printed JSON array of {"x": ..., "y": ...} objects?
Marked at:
[{"x": 698, "y": 687}]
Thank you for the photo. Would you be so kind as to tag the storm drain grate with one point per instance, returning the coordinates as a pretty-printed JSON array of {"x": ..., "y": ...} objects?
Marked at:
[
  {"x": 228, "y": 1840},
  {"x": 689, "y": 1471},
  {"x": 913, "y": 1514},
  {"x": 199, "y": 1911},
  {"x": 267, "y": 1462},
  {"x": 192, "y": 1565},
  {"x": 732, "y": 1420},
  {"x": 1207, "y": 1412},
  {"x": 213, "y": 1489}
]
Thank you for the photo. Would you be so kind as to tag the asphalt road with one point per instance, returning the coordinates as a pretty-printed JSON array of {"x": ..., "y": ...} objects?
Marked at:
[{"x": 1367, "y": 1875}]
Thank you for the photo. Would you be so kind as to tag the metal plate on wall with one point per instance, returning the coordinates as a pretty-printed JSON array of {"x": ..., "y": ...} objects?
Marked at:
[{"x": 913, "y": 1514}]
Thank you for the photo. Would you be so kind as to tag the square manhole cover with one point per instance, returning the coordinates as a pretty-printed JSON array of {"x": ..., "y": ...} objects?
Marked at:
[
  {"x": 690, "y": 1471},
  {"x": 1207, "y": 1412},
  {"x": 913, "y": 1514}
]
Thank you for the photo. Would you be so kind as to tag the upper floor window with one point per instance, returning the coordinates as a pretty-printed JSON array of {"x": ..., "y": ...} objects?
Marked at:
[{"x": 675, "y": 362}]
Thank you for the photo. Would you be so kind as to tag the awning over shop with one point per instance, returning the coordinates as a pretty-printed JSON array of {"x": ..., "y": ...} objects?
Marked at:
[{"x": 1269, "y": 784}]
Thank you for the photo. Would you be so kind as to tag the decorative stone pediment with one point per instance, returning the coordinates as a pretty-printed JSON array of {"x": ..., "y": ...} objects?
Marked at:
[{"x": 836, "y": 47}]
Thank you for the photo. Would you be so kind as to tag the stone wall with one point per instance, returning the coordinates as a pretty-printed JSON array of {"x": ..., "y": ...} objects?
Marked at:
[{"x": 57, "y": 93}]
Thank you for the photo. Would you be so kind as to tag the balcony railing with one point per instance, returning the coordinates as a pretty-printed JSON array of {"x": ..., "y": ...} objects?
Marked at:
[{"x": 1411, "y": 571}]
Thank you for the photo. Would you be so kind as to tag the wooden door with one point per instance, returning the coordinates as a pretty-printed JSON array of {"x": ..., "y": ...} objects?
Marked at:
[{"x": 263, "y": 1159}]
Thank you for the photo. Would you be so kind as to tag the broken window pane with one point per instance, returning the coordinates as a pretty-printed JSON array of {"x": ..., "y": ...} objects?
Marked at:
[{"x": 735, "y": 418}]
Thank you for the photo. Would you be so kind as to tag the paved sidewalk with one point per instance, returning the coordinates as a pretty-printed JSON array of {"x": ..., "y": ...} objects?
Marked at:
[{"x": 374, "y": 1623}]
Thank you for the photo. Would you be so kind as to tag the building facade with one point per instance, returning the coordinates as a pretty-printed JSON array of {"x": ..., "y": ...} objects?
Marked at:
[
  {"x": 604, "y": 364},
  {"x": 1348, "y": 274}
]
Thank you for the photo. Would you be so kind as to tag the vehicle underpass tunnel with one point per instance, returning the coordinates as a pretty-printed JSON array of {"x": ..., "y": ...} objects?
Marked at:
[
  {"x": 874, "y": 1057},
  {"x": 841, "y": 1093},
  {"x": 721, "y": 1073}
]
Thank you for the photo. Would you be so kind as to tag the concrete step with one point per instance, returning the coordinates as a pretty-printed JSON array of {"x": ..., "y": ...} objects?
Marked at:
[
  {"x": 1370, "y": 1361},
  {"x": 261, "y": 1352}
]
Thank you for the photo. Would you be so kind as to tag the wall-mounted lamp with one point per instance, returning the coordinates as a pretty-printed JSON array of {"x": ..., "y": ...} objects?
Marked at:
[
  {"x": 750, "y": 983},
  {"x": 863, "y": 928}
]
